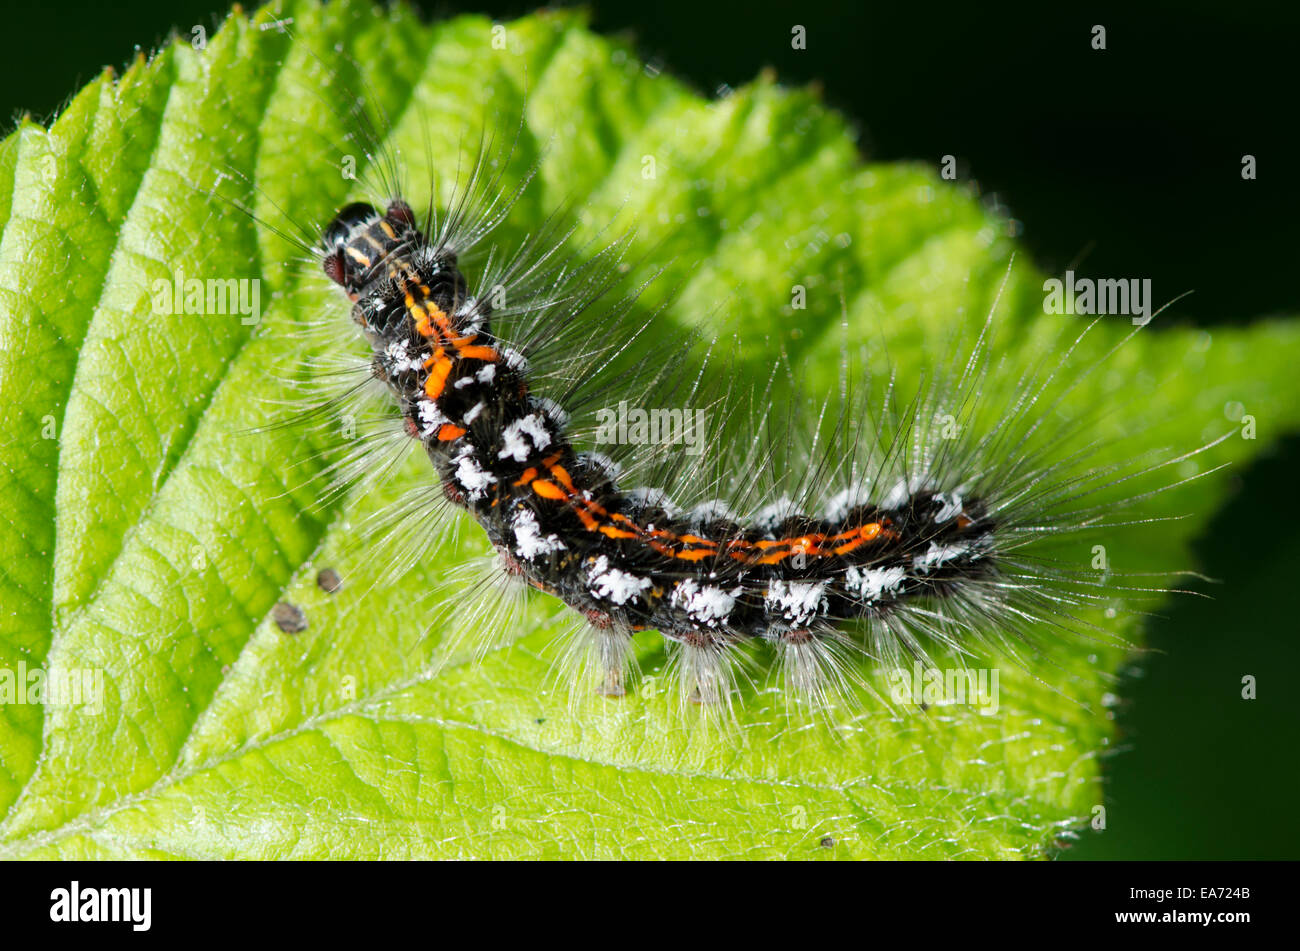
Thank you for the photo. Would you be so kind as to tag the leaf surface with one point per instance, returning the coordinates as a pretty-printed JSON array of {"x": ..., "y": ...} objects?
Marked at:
[{"x": 148, "y": 532}]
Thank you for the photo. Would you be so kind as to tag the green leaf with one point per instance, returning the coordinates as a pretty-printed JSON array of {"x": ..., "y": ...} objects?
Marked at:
[{"x": 148, "y": 534}]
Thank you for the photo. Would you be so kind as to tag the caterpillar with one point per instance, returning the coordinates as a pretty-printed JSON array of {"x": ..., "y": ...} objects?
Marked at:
[
  {"x": 627, "y": 560},
  {"x": 922, "y": 523},
  {"x": 935, "y": 552}
]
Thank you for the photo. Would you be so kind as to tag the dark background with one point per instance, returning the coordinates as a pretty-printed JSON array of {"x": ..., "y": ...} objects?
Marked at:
[{"x": 1122, "y": 162}]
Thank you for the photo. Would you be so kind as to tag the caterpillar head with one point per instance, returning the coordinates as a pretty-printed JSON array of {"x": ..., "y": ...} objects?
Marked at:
[{"x": 359, "y": 241}]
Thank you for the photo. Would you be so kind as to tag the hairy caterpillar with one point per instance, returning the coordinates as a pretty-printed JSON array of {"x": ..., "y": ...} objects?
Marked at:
[
  {"x": 627, "y": 560},
  {"x": 931, "y": 552},
  {"x": 919, "y": 537}
]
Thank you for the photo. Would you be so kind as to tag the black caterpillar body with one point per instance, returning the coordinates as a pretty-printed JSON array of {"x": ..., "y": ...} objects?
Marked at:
[{"x": 628, "y": 560}]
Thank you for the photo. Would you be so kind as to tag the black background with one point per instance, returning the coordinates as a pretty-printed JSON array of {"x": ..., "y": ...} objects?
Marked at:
[{"x": 1122, "y": 162}]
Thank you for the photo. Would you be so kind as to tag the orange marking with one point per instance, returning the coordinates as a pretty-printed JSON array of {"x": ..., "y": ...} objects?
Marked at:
[
  {"x": 695, "y": 540},
  {"x": 437, "y": 381},
  {"x": 694, "y": 555},
  {"x": 427, "y": 314},
  {"x": 562, "y": 476},
  {"x": 549, "y": 490},
  {"x": 595, "y": 517},
  {"x": 449, "y": 431}
]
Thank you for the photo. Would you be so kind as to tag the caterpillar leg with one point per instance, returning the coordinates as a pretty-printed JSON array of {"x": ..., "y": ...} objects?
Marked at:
[{"x": 599, "y": 659}]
